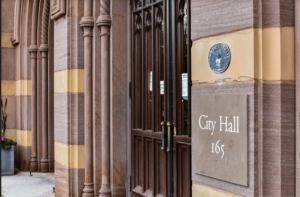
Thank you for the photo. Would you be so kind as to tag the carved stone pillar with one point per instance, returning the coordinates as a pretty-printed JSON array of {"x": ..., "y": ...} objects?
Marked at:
[
  {"x": 45, "y": 161},
  {"x": 104, "y": 22},
  {"x": 44, "y": 50},
  {"x": 33, "y": 61},
  {"x": 87, "y": 22}
]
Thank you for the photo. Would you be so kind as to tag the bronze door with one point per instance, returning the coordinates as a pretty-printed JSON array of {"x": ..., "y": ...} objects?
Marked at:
[{"x": 160, "y": 101}]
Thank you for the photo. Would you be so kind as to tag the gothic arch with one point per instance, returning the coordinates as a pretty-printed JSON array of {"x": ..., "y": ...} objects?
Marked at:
[{"x": 33, "y": 33}]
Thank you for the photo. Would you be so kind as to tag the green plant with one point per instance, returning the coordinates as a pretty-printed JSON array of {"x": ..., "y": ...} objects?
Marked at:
[
  {"x": 3, "y": 116},
  {"x": 5, "y": 143}
]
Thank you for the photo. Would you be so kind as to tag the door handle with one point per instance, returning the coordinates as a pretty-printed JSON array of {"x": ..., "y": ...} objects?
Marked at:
[
  {"x": 169, "y": 148},
  {"x": 163, "y": 146}
]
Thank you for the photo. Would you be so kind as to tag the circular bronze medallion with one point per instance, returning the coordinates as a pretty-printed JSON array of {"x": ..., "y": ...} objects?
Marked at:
[{"x": 219, "y": 57}]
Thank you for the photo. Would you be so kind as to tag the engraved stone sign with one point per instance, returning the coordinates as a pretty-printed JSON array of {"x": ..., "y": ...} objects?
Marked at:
[{"x": 220, "y": 137}]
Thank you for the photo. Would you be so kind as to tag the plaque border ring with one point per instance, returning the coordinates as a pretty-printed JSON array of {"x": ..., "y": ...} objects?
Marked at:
[{"x": 229, "y": 61}]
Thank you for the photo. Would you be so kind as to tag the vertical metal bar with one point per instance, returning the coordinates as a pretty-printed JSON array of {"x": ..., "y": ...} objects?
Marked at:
[{"x": 171, "y": 175}]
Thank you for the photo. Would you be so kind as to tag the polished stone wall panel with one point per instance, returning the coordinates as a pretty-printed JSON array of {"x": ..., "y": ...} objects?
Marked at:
[
  {"x": 25, "y": 67},
  {"x": 68, "y": 181},
  {"x": 61, "y": 117},
  {"x": 271, "y": 125},
  {"x": 61, "y": 59},
  {"x": 118, "y": 99},
  {"x": 62, "y": 181},
  {"x": 287, "y": 136},
  {"x": 77, "y": 118},
  {"x": 297, "y": 103},
  {"x": 23, "y": 156},
  {"x": 278, "y": 13},
  {"x": 7, "y": 15},
  {"x": 216, "y": 17},
  {"x": 76, "y": 48},
  {"x": 26, "y": 112},
  {"x": 8, "y": 65},
  {"x": 203, "y": 190},
  {"x": 222, "y": 16},
  {"x": 23, "y": 112},
  {"x": 77, "y": 11},
  {"x": 11, "y": 111},
  {"x": 77, "y": 181},
  {"x": 69, "y": 117}
]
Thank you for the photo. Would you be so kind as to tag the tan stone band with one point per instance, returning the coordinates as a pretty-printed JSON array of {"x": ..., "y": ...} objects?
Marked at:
[
  {"x": 71, "y": 81},
  {"x": 70, "y": 156},
  {"x": 261, "y": 54}
]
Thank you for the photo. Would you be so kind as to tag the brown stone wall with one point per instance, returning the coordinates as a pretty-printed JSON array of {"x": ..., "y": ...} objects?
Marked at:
[
  {"x": 8, "y": 82},
  {"x": 118, "y": 98},
  {"x": 208, "y": 20},
  {"x": 17, "y": 36},
  {"x": 8, "y": 64},
  {"x": 297, "y": 105},
  {"x": 65, "y": 90},
  {"x": 253, "y": 27}
]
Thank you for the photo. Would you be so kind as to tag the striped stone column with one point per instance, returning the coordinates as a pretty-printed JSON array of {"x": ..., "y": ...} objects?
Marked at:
[{"x": 68, "y": 102}]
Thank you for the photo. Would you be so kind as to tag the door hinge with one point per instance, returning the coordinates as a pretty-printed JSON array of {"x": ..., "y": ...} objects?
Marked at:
[
  {"x": 129, "y": 89},
  {"x": 129, "y": 185}
]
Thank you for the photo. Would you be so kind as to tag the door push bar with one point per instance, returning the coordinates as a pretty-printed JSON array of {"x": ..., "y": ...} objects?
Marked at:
[
  {"x": 163, "y": 146},
  {"x": 169, "y": 148}
]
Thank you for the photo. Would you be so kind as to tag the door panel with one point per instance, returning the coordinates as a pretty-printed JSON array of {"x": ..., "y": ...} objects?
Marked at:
[
  {"x": 160, "y": 167},
  {"x": 148, "y": 165},
  {"x": 182, "y": 98},
  {"x": 137, "y": 162},
  {"x": 182, "y": 168},
  {"x": 150, "y": 162}
]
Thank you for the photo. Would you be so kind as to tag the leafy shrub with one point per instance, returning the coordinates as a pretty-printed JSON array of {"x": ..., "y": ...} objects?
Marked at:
[{"x": 5, "y": 143}]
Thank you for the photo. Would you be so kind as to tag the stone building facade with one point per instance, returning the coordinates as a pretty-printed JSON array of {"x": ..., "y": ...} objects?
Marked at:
[{"x": 100, "y": 92}]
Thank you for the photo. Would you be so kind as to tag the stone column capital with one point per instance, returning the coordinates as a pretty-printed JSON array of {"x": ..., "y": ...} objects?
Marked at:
[
  {"x": 87, "y": 21},
  {"x": 104, "y": 20},
  {"x": 44, "y": 48},
  {"x": 33, "y": 48}
]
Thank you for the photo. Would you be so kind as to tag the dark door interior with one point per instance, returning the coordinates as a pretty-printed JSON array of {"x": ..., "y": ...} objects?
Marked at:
[{"x": 150, "y": 100}]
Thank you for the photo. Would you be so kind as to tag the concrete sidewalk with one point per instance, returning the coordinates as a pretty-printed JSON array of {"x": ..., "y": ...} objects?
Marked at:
[{"x": 23, "y": 185}]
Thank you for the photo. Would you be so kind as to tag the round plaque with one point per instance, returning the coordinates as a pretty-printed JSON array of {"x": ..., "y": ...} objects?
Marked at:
[{"x": 219, "y": 57}]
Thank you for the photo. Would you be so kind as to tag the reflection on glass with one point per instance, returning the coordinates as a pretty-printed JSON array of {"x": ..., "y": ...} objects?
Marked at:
[
  {"x": 184, "y": 71},
  {"x": 150, "y": 76},
  {"x": 139, "y": 4},
  {"x": 161, "y": 74},
  {"x": 138, "y": 84}
]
